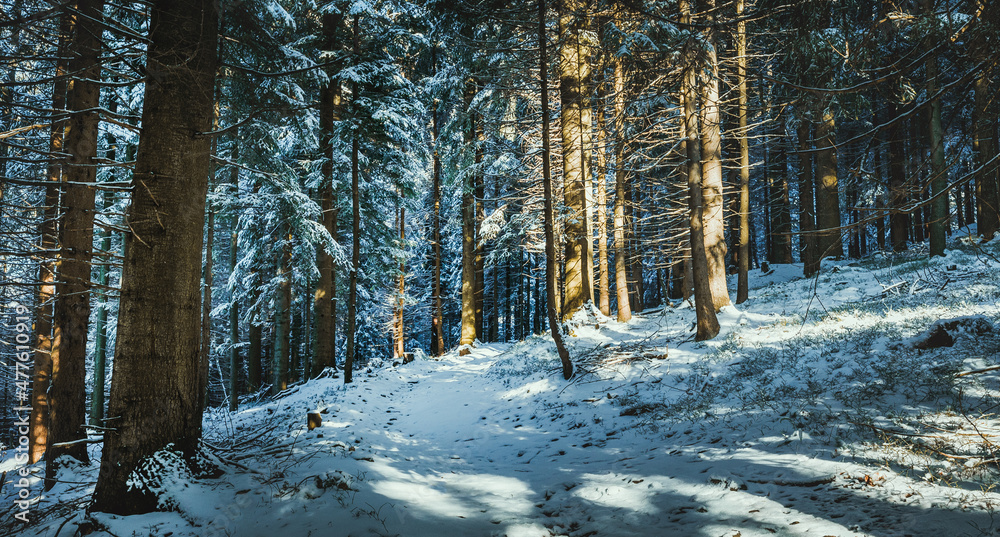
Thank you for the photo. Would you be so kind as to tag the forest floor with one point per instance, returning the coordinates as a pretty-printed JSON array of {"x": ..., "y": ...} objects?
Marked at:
[{"x": 815, "y": 412}]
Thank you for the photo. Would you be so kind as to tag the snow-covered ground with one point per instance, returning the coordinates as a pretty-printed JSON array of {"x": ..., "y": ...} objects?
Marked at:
[{"x": 813, "y": 413}]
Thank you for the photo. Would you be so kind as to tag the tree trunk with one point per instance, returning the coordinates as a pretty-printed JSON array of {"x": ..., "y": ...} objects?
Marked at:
[
  {"x": 621, "y": 189},
  {"x": 985, "y": 148},
  {"x": 807, "y": 213},
  {"x": 154, "y": 389},
  {"x": 713, "y": 218},
  {"x": 828, "y": 241},
  {"x": 437, "y": 314},
  {"x": 399, "y": 348},
  {"x": 939, "y": 173},
  {"x": 601, "y": 178},
  {"x": 574, "y": 92},
  {"x": 781, "y": 220},
  {"x": 324, "y": 296},
  {"x": 707, "y": 322},
  {"x": 899, "y": 220},
  {"x": 282, "y": 318},
  {"x": 71, "y": 314},
  {"x": 550, "y": 245},
  {"x": 468, "y": 335},
  {"x": 206, "y": 304},
  {"x": 49, "y": 237},
  {"x": 352, "y": 292},
  {"x": 743, "y": 258}
]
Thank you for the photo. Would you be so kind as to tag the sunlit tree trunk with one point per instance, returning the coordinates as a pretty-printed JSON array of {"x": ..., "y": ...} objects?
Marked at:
[
  {"x": 437, "y": 312},
  {"x": 713, "y": 218},
  {"x": 154, "y": 390},
  {"x": 706, "y": 320},
  {"x": 621, "y": 189},
  {"x": 71, "y": 314},
  {"x": 49, "y": 243},
  {"x": 574, "y": 95},
  {"x": 468, "y": 334},
  {"x": 601, "y": 178}
]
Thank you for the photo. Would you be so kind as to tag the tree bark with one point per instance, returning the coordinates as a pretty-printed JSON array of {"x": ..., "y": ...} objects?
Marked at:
[
  {"x": 468, "y": 334},
  {"x": 437, "y": 312},
  {"x": 47, "y": 267},
  {"x": 71, "y": 314},
  {"x": 282, "y": 318},
  {"x": 939, "y": 173},
  {"x": 985, "y": 148},
  {"x": 574, "y": 91},
  {"x": 550, "y": 246},
  {"x": 706, "y": 321},
  {"x": 807, "y": 211},
  {"x": 154, "y": 398},
  {"x": 828, "y": 241},
  {"x": 621, "y": 188},
  {"x": 352, "y": 292},
  {"x": 601, "y": 178},
  {"x": 743, "y": 258},
  {"x": 713, "y": 218},
  {"x": 899, "y": 220}
]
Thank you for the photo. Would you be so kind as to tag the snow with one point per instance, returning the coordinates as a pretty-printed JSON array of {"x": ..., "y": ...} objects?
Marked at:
[{"x": 811, "y": 414}]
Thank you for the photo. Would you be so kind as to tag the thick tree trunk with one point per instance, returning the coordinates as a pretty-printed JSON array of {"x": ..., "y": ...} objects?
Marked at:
[
  {"x": 706, "y": 321},
  {"x": 71, "y": 314},
  {"x": 939, "y": 173},
  {"x": 323, "y": 298},
  {"x": 828, "y": 241},
  {"x": 549, "y": 217},
  {"x": 574, "y": 95},
  {"x": 468, "y": 334},
  {"x": 154, "y": 390},
  {"x": 49, "y": 237},
  {"x": 282, "y": 318},
  {"x": 713, "y": 218}
]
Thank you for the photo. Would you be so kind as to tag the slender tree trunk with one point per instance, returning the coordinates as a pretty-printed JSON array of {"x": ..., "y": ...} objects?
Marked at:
[
  {"x": 399, "y": 346},
  {"x": 71, "y": 314},
  {"x": 574, "y": 88},
  {"x": 206, "y": 303},
  {"x": 781, "y": 220},
  {"x": 154, "y": 390},
  {"x": 437, "y": 321},
  {"x": 479, "y": 245},
  {"x": 713, "y": 218},
  {"x": 743, "y": 258},
  {"x": 807, "y": 213},
  {"x": 550, "y": 245},
  {"x": 352, "y": 293},
  {"x": 282, "y": 318},
  {"x": 601, "y": 178},
  {"x": 234, "y": 314},
  {"x": 707, "y": 322},
  {"x": 985, "y": 148},
  {"x": 899, "y": 220},
  {"x": 621, "y": 189},
  {"x": 49, "y": 237},
  {"x": 469, "y": 334}
]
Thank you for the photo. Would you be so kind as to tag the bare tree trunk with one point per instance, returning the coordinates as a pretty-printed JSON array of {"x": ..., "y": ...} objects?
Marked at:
[
  {"x": 234, "y": 308},
  {"x": 574, "y": 88},
  {"x": 601, "y": 178},
  {"x": 828, "y": 241},
  {"x": 621, "y": 190},
  {"x": 743, "y": 258},
  {"x": 899, "y": 221},
  {"x": 49, "y": 236},
  {"x": 324, "y": 296},
  {"x": 282, "y": 318},
  {"x": 399, "y": 346},
  {"x": 468, "y": 334},
  {"x": 713, "y": 218},
  {"x": 939, "y": 173},
  {"x": 352, "y": 293},
  {"x": 985, "y": 147},
  {"x": 71, "y": 314},
  {"x": 707, "y": 322},
  {"x": 550, "y": 246},
  {"x": 807, "y": 213},
  {"x": 206, "y": 303},
  {"x": 154, "y": 390},
  {"x": 437, "y": 313}
]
